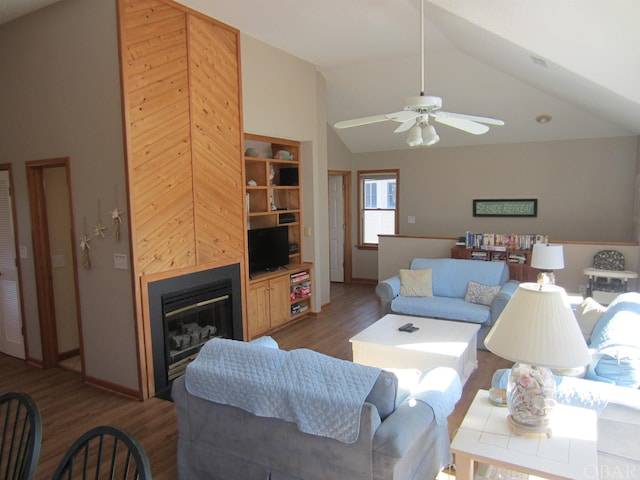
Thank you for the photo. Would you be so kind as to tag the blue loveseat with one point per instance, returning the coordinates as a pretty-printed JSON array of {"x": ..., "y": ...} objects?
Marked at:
[{"x": 450, "y": 284}]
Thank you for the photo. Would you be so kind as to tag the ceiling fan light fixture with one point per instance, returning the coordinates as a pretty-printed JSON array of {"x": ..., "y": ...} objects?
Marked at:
[
  {"x": 415, "y": 136},
  {"x": 429, "y": 135}
]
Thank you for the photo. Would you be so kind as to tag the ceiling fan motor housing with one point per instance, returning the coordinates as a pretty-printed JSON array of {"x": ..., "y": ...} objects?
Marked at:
[{"x": 423, "y": 103}]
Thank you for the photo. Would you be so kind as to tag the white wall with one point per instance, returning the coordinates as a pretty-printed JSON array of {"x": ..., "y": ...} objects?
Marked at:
[{"x": 284, "y": 97}]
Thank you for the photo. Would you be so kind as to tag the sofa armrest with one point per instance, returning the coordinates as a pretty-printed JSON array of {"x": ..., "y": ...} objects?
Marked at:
[
  {"x": 501, "y": 299},
  {"x": 431, "y": 400},
  {"x": 400, "y": 430},
  {"x": 387, "y": 290}
]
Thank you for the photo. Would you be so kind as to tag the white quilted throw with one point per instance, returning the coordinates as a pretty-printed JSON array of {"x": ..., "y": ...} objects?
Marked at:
[{"x": 322, "y": 395}]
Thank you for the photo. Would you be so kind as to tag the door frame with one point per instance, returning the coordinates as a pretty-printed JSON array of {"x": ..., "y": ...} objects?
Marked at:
[
  {"x": 7, "y": 167},
  {"x": 346, "y": 182},
  {"x": 42, "y": 259}
]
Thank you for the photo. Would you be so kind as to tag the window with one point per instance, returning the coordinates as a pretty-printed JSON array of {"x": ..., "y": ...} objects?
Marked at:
[
  {"x": 377, "y": 205},
  {"x": 391, "y": 194},
  {"x": 370, "y": 194}
]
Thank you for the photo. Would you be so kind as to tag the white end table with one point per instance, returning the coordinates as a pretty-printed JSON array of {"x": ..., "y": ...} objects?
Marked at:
[
  {"x": 436, "y": 343},
  {"x": 484, "y": 436}
]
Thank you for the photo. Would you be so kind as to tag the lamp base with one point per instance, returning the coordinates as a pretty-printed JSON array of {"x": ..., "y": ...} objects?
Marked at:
[
  {"x": 530, "y": 398},
  {"x": 546, "y": 277},
  {"x": 522, "y": 429}
]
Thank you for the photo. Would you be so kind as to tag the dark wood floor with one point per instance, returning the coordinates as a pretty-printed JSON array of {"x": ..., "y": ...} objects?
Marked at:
[{"x": 69, "y": 407}]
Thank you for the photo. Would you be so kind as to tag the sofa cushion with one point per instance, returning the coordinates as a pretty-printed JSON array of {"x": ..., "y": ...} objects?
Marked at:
[
  {"x": 408, "y": 378},
  {"x": 450, "y": 276},
  {"x": 415, "y": 283},
  {"x": 588, "y": 313},
  {"x": 383, "y": 394},
  {"x": 481, "y": 294},
  {"x": 442, "y": 307}
]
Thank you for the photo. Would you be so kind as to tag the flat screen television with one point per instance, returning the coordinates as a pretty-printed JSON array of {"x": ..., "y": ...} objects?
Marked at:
[{"x": 268, "y": 248}]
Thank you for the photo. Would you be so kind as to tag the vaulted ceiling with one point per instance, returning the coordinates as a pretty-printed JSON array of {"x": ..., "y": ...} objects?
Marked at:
[{"x": 578, "y": 62}]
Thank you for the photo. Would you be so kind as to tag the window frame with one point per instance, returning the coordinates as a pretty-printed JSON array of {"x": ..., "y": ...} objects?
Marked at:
[{"x": 368, "y": 175}]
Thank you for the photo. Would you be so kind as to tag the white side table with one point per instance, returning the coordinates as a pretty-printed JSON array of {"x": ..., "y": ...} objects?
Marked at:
[{"x": 484, "y": 436}]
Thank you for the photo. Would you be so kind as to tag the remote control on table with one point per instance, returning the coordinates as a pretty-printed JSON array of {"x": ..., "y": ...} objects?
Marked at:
[{"x": 408, "y": 327}]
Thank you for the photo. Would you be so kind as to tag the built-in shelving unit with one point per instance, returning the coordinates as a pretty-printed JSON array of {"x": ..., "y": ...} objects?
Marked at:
[
  {"x": 272, "y": 188},
  {"x": 273, "y": 196}
]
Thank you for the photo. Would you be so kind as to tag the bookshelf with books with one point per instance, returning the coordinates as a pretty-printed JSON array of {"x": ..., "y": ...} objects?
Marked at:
[{"x": 513, "y": 248}]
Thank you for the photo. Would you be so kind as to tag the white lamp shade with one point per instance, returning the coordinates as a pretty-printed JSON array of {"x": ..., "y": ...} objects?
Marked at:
[
  {"x": 547, "y": 256},
  {"x": 538, "y": 327},
  {"x": 429, "y": 136},
  {"x": 415, "y": 136}
]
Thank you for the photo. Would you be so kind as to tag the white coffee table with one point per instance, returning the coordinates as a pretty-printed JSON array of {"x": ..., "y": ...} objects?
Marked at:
[
  {"x": 437, "y": 343},
  {"x": 484, "y": 436}
]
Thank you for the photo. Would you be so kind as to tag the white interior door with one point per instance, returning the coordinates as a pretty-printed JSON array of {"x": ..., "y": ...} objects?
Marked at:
[
  {"x": 336, "y": 228},
  {"x": 11, "y": 338}
]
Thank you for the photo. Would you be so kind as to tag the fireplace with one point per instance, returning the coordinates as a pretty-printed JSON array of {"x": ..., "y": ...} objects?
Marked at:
[{"x": 187, "y": 311}]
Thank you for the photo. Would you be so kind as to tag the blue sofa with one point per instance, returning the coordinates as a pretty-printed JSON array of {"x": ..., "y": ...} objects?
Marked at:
[
  {"x": 450, "y": 282},
  {"x": 615, "y": 342},
  {"x": 234, "y": 423}
]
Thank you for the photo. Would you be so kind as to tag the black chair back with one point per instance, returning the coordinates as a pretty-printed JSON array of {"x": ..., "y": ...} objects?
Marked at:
[
  {"x": 105, "y": 452},
  {"x": 21, "y": 429}
]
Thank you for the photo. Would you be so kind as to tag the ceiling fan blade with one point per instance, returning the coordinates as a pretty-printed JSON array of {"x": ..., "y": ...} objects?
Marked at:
[
  {"x": 405, "y": 126},
  {"x": 473, "y": 118},
  {"x": 461, "y": 124},
  {"x": 356, "y": 122},
  {"x": 403, "y": 116}
]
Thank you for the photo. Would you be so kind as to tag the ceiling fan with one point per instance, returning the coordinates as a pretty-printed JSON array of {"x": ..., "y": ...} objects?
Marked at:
[{"x": 418, "y": 110}]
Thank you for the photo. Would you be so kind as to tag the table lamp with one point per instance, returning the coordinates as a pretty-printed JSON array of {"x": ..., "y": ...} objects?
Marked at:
[
  {"x": 537, "y": 330},
  {"x": 547, "y": 257}
]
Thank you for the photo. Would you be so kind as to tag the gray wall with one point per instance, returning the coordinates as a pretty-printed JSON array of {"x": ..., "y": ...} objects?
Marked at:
[
  {"x": 585, "y": 189},
  {"x": 60, "y": 97}
]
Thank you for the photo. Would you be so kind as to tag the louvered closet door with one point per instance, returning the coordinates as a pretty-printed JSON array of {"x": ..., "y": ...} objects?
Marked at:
[{"x": 11, "y": 339}]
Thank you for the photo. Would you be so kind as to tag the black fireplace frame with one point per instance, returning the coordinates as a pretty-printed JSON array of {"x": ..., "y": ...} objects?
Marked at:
[{"x": 179, "y": 284}]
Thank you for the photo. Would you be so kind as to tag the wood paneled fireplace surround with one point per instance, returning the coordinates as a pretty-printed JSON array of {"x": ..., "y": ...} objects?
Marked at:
[{"x": 184, "y": 158}]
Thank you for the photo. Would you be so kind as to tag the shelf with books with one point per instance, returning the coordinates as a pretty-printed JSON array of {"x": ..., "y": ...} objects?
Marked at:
[
  {"x": 518, "y": 261},
  {"x": 503, "y": 241}
]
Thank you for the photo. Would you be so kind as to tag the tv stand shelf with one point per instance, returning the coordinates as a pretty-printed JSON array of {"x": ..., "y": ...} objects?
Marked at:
[{"x": 272, "y": 301}]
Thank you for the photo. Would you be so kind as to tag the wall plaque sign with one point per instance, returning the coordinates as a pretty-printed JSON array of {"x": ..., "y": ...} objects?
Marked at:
[{"x": 505, "y": 208}]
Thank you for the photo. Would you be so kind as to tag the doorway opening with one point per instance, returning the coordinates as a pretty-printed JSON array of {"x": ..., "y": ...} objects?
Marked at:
[
  {"x": 53, "y": 233},
  {"x": 340, "y": 226}
]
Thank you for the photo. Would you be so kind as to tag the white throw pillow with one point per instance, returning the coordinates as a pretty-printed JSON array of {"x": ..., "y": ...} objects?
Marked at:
[
  {"x": 481, "y": 294},
  {"x": 416, "y": 283},
  {"x": 588, "y": 313}
]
